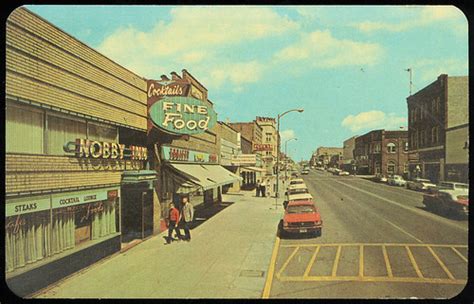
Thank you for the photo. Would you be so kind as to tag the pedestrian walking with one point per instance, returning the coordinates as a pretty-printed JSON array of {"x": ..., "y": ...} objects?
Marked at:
[
  {"x": 257, "y": 188},
  {"x": 268, "y": 188},
  {"x": 262, "y": 188},
  {"x": 173, "y": 219},
  {"x": 187, "y": 214}
]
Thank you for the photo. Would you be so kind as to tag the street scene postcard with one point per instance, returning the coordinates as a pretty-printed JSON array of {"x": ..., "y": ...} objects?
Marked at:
[{"x": 236, "y": 152}]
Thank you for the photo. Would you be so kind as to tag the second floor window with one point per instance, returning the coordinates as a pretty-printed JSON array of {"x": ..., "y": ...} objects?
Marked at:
[{"x": 391, "y": 148}]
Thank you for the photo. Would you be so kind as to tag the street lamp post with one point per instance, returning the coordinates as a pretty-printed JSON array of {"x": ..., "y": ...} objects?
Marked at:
[
  {"x": 278, "y": 152},
  {"x": 286, "y": 155}
]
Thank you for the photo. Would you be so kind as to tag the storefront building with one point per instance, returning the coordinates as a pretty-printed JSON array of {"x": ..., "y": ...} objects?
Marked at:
[
  {"x": 75, "y": 128},
  {"x": 183, "y": 129},
  {"x": 229, "y": 148}
]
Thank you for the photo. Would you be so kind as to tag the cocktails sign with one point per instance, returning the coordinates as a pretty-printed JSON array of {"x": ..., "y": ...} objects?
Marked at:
[{"x": 182, "y": 115}]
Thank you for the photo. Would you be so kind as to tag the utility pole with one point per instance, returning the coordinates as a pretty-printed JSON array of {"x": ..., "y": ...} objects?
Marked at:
[{"x": 411, "y": 82}]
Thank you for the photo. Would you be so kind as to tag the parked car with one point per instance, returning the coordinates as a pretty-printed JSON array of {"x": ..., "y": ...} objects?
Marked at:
[
  {"x": 336, "y": 171},
  {"x": 297, "y": 197},
  {"x": 452, "y": 186},
  {"x": 296, "y": 189},
  {"x": 295, "y": 181},
  {"x": 448, "y": 200},
  {"x": 343, "y": 173},
  {"x": 396, "y": 180},
  {"x": 420, "y": 184},
  {"x": 380, "y": 178},
  {"x": 302, "y": 217}
]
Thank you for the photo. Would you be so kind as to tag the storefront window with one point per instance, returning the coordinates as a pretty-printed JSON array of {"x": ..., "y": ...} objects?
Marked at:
[
  {"x": 32, "y": 237},
  {"x": 27, "y": 239},
  {"x": 61, "y": 131},
  {"x": 101, "y": 132},
  {"x": 24, "y": 129}
]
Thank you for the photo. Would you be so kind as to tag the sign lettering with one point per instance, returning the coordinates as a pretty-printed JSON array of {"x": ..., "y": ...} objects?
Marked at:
[
  {"x": 185, "y": 155},
  {"x": 98, "y": 149}
]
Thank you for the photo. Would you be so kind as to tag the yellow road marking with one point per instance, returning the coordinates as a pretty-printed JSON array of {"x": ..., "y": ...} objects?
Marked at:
[
  {"x": 287, "y": 262},
  {"x": 271, "y": 270},
  {"x": 374, "y": 244},
  {"x": 413, "y": 262},
  {"x": 313, "y": 258},
  {"x": 371, "y": 279},
  {"x": 459, "y": 254},
  {"x": 361, "y": 260},
  {"x": 336, "y": 261},
  {"x": 441, "y": 263},
  {"x": 387, "y": 262}
]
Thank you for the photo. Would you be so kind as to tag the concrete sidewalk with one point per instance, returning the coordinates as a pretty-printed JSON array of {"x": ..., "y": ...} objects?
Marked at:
[{"x": 228, "y": 257}]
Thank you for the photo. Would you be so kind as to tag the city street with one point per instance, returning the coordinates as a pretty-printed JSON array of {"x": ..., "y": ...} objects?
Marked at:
[{"x": 378, "y": 241}]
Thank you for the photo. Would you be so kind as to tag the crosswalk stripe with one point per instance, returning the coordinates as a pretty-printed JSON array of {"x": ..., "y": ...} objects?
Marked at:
[
  {"x": 387, "y": 262},
  {"x": 413, "y": 262},
  {"x": 441, "y": 263},
  {"x": 313, "y": 258},
  {"x": 287, "y": 261},
  {"x": 459, "y": 254},
  {"x": 361, "y": 261},
  {"x": 336, "y": 261}
]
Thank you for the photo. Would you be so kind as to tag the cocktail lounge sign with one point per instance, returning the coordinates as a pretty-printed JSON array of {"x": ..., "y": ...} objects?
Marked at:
[{"x": 171, "y": 109}]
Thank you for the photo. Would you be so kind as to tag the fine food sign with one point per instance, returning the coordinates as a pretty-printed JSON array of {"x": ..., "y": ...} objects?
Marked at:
[{"x": 182, "y": 115}]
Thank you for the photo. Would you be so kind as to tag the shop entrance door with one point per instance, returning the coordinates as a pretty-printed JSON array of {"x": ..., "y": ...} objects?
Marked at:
[{"x": 137, "y": 212}]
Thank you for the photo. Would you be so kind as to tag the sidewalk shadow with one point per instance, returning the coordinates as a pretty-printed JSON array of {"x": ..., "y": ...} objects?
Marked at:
[{"x": 203, "y": 213}]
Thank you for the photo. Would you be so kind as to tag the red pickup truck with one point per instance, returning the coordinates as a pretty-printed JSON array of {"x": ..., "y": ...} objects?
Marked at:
[{"x": 302, "y": 217}]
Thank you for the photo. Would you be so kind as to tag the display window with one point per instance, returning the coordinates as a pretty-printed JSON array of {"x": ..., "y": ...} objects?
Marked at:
[
  {"x": 27, "y": 239},
  {"x": 34, "y": 236}
]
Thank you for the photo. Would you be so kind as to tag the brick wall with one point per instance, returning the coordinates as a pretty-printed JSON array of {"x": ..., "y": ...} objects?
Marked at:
[
  {"x": 48, "y": 66},
  {"x": 25, "y": 172}
]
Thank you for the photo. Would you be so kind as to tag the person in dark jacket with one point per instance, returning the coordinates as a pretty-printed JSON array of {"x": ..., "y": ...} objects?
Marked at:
[
  {"x": 257, "y": 189},
  {"x": 173, "y": 219}
]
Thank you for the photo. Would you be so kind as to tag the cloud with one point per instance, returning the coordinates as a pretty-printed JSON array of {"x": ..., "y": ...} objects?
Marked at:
[
  {"x": 321, "y": 49},
  {"x": 428, "y": 70},
  {"x": 286, "y": 134},
  {"x": 373, "y": 120},
  {"x": 198, "y": 39},
  {"x": 424, "y": 16}
]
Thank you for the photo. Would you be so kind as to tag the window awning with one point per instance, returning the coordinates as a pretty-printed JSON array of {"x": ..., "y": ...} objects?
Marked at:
[
  {"x": 192, "y": 176},
  {"x": 256, "y": 169}
]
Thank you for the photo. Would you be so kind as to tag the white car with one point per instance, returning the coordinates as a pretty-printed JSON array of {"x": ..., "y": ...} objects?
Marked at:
[
  {"x": 343, "y": 173},
  {"x": 396, "y": 180},
  {"x": 420, "y": 184}
]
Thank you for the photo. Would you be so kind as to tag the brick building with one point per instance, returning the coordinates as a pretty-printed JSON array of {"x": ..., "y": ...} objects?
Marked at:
[
  {"x": 327, "y": 157},
  {"x": 438, "y": 130},
  {"x": 382, "y": 152},
  {"x": 348, "y": 154}
]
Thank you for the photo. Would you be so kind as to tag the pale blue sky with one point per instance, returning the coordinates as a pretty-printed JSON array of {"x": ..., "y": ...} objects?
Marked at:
[{"x": 345, "y": 65}]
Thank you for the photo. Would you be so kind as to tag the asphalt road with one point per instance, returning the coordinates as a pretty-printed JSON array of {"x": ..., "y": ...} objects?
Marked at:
[{"x": 378, "y": 241}]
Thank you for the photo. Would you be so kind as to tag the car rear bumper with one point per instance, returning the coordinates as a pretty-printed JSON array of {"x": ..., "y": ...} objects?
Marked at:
[{"x": 310, "y": 229}]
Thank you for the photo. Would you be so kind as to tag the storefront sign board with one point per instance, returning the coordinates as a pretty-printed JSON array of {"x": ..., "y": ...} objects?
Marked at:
[
  {"x": 86, "y": 148},
  {"x": 27, "y": 205},
  {"x": 80, "y": 197},
  {"x": 244, "y": 159},
  {"x": 173, "y": 154},
  {"x": 263, "y": 147},
  {"x": 182, "y": 115}
]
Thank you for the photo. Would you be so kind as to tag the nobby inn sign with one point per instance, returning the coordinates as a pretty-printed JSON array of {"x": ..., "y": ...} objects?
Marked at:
[{"x": 182, "y": 115}]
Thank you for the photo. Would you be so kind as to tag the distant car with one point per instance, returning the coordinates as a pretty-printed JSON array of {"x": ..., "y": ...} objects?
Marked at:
[
  {"x": 294, "y": 174},
  {"x": 335, "y": 171},
  {"x": 295, "y": 181},
  {"x": 343, "y": 173},
  {"x": 320, "y": 168},
  {"x": 304, "y": 171},
  {"x": 396, "y": 180},
  {"x": 420, "y": 184},
  {"x": 380, "y": 178},
  {"x": 449, "y": 201},
  {"x": 302, "y": 217},
  {"x": 297, "y": 188},
  {"x": 451, "y": 186}
]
